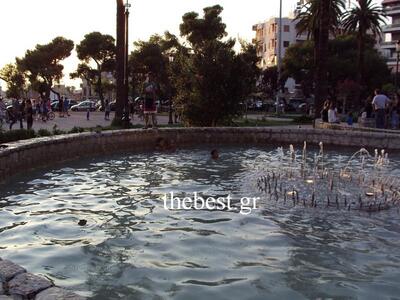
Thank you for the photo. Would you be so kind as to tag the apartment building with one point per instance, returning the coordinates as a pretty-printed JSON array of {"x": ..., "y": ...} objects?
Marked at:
[
  {"x": 391, "y": 31},
  {"x": 267, "y": 39}
]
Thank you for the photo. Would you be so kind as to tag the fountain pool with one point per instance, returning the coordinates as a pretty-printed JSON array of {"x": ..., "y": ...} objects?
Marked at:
[{"x": 133, "y": 248}]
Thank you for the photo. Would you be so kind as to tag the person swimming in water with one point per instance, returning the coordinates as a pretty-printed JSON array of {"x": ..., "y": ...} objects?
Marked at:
[{"x": 214, "y": 154}]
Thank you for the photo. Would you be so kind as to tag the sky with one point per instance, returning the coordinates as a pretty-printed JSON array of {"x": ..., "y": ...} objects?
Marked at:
[{"x": 25, "y": 23}]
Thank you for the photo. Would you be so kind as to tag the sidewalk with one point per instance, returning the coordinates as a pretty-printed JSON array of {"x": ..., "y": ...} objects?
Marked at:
[{"x": 78, "y": 119}]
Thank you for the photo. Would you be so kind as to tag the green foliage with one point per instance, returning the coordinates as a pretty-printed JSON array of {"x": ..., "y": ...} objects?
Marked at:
[
  {"x": 199, "y": 31},
  {"x": 57, "y": 131},
  {"x": 389, "y": 88},
  {"x": 153, "y": 56},
  {"x": 100, "y": 49},
  {"x": 15, "y": 80},
  {"x": 43, "y": 132},
  {"x": 309, "y": 18},
  {"x": 210, "y": 79},
  {"x": 341, "y": 61},
  {"x": 76, "y": 130},
  {"x": 365, "y": 18},
  {"x": 304, "y": 119},
  {"x": 42, "y": 64},
  {"x": 84, "y": 72},
  {"x": 16, "y": 135}
]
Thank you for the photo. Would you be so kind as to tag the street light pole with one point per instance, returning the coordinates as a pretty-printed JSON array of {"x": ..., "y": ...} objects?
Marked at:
[
  {"x": 397, "y": 66},
  {"x": 170, "y": 121},
  {"x": 126, "y": 73},
  {"x": 120, "y": 57},
  {"x": 279, "y": 56}
]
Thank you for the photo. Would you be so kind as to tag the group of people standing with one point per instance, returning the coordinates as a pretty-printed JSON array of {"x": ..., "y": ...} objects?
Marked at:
[
  {"x": 385, "y": 111},
  {"x": 17, "y": 113},
  {"x": 29, "y": 110}
]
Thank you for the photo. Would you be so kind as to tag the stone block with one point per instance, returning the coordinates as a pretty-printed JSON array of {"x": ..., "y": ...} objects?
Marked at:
[
  {"x": 9, "y": 270},
  {"x": 27, "y": 285},
  {"x": 3, "y": 297},
  {"x": 56, "y": 293}
]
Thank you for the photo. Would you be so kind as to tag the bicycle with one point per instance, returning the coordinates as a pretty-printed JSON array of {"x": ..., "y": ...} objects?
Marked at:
[{"x": 48, "y": 116}]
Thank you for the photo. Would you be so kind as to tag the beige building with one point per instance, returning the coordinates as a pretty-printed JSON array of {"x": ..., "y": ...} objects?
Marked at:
[
  {"x": 391, "y": 31},
  {"x": 267, "y": 39}
]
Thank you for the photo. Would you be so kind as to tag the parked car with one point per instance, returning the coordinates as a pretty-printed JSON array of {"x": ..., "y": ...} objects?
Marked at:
[
  {"x": 294, "y": 104},
  {"x": 84, "y": 106}
]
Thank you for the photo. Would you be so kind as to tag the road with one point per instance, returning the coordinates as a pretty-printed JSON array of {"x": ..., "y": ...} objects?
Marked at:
[{"x": 78, "y": 119}]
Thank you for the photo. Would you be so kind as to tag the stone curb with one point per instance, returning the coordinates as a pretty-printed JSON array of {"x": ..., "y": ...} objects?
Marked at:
[
  {"x": 24, "y": 155},
  {"x": 17, "y": 284}
]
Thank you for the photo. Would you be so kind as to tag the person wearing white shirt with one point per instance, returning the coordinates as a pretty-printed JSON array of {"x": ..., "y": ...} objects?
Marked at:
[
  {"x": 332, "y": 114},
  {"x": 380, "y": 102}
]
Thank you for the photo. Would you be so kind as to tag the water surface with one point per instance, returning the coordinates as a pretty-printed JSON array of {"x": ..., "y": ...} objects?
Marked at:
[{"x": 132, "y": 248}]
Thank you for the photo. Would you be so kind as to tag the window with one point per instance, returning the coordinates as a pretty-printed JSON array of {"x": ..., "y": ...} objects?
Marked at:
[
  {"x": 286, "y": 44},
  {"x": 286, "y": 28}
]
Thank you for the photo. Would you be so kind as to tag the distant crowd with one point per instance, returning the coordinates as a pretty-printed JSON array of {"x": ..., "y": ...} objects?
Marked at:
[
  {"x": 381, "y": 108},
  {"x": 30, "y": 110}
]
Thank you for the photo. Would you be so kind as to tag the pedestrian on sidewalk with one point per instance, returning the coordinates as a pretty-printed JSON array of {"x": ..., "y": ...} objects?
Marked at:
[
  {"x": 3, "y": 109},
  {"x": 29, "y": 114},
  {"x": 107, "y": 110},
  {"x": 66, "y": 106},
  {"x": 61, "y": 107},
  {"x": 88, "y": 111}
]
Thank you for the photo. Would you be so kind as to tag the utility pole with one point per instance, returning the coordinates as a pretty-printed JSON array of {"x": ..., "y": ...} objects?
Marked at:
[
  {"x": 120, "y": 65},
  {"x": 126, "y": 67},
  {"x": 279, "y": 56}
]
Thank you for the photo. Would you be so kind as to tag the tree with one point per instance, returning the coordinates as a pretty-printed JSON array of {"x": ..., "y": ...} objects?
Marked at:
[
  {"x": 269, "y": 81},
  {"x": 364, "y": 19},
  {"x": 87, "y": 73},
  {"x": 211, "y": 80},
  {"x": 320, "y": 18},
  {"x": 341, "y": 63},
  {"x": 153, "y": 56},
  {"x": 15, "y": 80},
  {"x": 100, "y": 49},
  {"x": 42, "y": 65},
  {"x": 308, "y": 20}
]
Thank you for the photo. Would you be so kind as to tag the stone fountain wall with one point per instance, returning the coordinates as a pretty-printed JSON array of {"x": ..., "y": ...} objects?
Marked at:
[{"x": 21, "y": 156}]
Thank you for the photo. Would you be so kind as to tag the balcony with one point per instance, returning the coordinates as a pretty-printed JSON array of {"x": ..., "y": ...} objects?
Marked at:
[
  {"x": 392, "y": 10},
  {"x": 391, "y": 28},
  {"x": 388, "y": 45}
]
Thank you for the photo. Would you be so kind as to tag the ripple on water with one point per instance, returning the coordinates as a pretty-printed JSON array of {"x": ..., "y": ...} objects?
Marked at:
[{"x": 132, "y": 248}]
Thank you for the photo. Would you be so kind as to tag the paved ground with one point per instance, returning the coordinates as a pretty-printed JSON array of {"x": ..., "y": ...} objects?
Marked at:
[{"x": 78, "y": 119}]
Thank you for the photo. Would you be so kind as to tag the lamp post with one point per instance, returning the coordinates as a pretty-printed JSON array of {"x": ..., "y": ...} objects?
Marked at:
[
  {"x": 170, "y": 121},
  {"x": 126, "y": 71},
  {"x": 120, "y": 58},
  {"x": 279, "y": 56},
  {"x": 397, "y": 65}
]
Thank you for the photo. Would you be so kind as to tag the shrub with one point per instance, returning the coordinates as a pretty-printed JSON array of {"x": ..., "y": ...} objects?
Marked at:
[
  {"x": 16, "y": 135},
  {"x": 76, "y": 130},
  {"x": 304, "y": 119},
  {"x": 43, "y": 132}
]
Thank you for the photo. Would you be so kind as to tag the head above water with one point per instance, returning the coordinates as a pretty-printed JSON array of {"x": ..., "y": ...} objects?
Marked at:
[{"x": 214, "y": 154}]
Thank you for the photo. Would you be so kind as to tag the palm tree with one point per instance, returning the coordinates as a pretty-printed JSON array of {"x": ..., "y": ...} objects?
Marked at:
[
  {"x": 365, "y": 19},
  {"x": 308, "y": 20},
  {"x": 319, "y": 19}
]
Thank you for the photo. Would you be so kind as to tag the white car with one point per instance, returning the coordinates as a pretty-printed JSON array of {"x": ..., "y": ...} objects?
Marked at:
[{"x": 84, "y": 106}]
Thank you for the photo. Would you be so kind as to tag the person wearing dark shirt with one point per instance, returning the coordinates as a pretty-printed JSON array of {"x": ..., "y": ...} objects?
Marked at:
[{"x": 29, "y": 114}]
